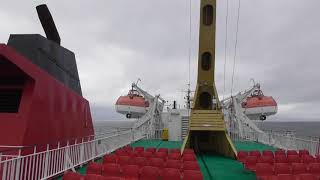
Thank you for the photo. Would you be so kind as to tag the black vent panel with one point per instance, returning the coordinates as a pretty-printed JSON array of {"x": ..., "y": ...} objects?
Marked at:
[{"x": 10, "y": 100}]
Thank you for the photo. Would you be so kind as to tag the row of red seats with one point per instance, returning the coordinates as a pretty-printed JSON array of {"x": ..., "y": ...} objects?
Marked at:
[
  {"x": 156, "y": 162},
  {"x": 138, "y": 150},
  {"x": 251, "y": 161},
  {"x": 290, "y": 177},
  {"x": 133, "y": 172},
  {"x": 112, "y": 158},
  {"x": 300, "y": 153},
  {"x": 264, "y": 170}
]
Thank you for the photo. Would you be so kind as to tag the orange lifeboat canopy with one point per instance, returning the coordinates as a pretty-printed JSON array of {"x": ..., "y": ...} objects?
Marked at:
[
  {"x": 259, "y": 106},
  {"x": 132, "y": 105}
]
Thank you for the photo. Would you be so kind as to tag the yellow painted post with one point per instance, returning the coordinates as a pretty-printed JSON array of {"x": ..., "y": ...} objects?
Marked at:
[{"x": 207, "y": 131}]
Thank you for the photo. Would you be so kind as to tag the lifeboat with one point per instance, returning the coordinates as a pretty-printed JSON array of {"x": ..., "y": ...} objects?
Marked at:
[
  {"x": 132, "y": 105},
  {"x": 258, "y": 107}
]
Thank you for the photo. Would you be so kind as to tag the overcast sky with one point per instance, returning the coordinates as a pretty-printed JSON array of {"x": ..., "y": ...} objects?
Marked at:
[{"x": 117, "y": 42}]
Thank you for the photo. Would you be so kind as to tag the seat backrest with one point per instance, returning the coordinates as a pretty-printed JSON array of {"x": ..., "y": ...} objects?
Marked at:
[
  {"x": 163, "y": 150},
  {"x": 174, "y": 156},
  {"x": 266, "y": 159},
  {"x": 111, "y": 170},
  {"x": 282, "y": 168},
  {"x": 94, "y": 177},
  {"x": 192, "y": 175},
  {"x": 69, "y": 175},
  {"x": 307, "y": 159},
  {"x": 110, "y": 158},
  {"x": 128, "y": 148},
  {"x": 255, "y": 153},
  {"x": 264, "y": 169},
  {"x": 189, "y": 157},
  {"x": 141, "y": 161},
  {"x": 121, "y": 152},
  {"x": 292, "y": 152},
  {"x": 307, "y": 177},
  {"x": 242, "y": 154},
  {"x": 149, "y": 173},
  {"x": 188, "y": 151},
  {"x": 125, "y": 160},
  {"x": 157, "y": 162},
  {"x": 298, "y": 168},
  {"x": 191, "y": 165},
  {"x": 151, "y": 149},
  {"x": 147, "y": 154},
  {"x": 170, "y": 174},
  {"x": 175, "y": 151},
  {"x": 130, "y": 171},
  {"x": 94, "y": 168},
  {"x": 281, "y": 159},
  {"x": 293, "y": 158},
  {"x": 280, "y": 152},
  {"x": 267, "y": 153},
  {"x": 161, "y": 155},
  {"x": 251, "y": 160},
  {"x": 314, "y": 168},
  {"x": 176, "y": 164},
  {"x": 139, "y": 149},
  {"x": 303, "y": 152}
]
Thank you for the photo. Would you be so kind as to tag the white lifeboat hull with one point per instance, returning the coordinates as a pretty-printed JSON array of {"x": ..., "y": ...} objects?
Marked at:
[
  {"x": 132, "y": 111},
  {"x": 255, "y": 113}
]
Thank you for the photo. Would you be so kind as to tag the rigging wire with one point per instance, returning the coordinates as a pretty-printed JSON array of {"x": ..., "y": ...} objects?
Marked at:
[
  {"x": 225, "y": 51},
  {"x": 189, "y": 49},
  {"x": 235, "y": 47}
]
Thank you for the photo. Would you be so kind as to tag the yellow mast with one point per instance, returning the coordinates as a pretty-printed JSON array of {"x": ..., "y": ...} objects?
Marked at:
[{"x": 207, "y": 130}]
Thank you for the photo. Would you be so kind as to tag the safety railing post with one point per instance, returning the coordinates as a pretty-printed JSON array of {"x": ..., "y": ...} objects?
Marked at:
[
  {"x": 66, "y": 156},
  {"x": 81, "y": 152},
  {"x": 46, "y": 163}
]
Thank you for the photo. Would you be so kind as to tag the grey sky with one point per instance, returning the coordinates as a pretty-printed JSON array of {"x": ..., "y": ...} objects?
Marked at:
[{"x": 116, "y": 42}]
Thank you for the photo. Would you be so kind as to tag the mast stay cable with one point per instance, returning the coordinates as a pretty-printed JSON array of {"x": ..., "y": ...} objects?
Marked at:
[{"x": 225, "y": 51}]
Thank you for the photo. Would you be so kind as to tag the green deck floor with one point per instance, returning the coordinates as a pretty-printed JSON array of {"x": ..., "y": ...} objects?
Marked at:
[{"x": 213, "y": 167}]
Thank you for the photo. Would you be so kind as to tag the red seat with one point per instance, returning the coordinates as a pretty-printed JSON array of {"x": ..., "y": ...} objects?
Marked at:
[
  {"x": 163, "y": 150},
  {"x": 292, "y": 152},
  {"x": 188, "y": 151},
  {"x": 125, "y": 160},
  {"x": 242, "y": 156},
  {"x": 263, "y": 170},
  {"x": 255, "y": 153},
  {"x": 191, "y": 165},
  {"x": 282, "y": 168},
  {"x": 192, "y": 175},
  {"x": 170, "y": 174},
  {"x": 139, "y": 149},
  {"x": 250, "y": 162},
  {"x": 149, "y": 173},
  {"x": 113, "y": 178},
  {"x": 175, "y": 151},
  {"x": 94, "y": 168},
  {"x": 94, "y": 177},
  {"x": 286, "y": 177},
  {"x": 266, "y": 159},
  {"x": 161, "y": 155},
  {"x": 306, "y": 177},
  {"x": 157, "y": 162},
  {"x": 130, "y": 172},
  {"x": 141, "y": 161},
  {"x": 133, "y": 154},
  {"x": 69, "y": 175},
  {"x": 281, "y": 159},
  {"x": 279, "y": 152},
  {"x": 111, "y": 170},
  {"x": 110, "y": 158},
  {"x": 314, "y": 168},
  {"x": 306, "y": 159},
  {"x": 189, "y": 157},
  {"x": 151, "y": 149},
  {"x": 147, "y": 154},
  {"x": 293, "y": 159},
  {"x": 303, "y": 152},
  {"x": 128, "y": 148},
  {"x": 176, "y": 164},
  {"x": 298, "y": 168},
  {"x": 121, "y": 152},
  {"x": 267, "y": 153},
  {"x": 174, "y": 156}
]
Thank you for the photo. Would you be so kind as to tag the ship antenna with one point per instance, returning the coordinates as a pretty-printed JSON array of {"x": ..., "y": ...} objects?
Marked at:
[{"x": 47, "y": 23}]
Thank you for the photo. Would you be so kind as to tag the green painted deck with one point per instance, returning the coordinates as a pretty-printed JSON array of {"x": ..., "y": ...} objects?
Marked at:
[{"x": 213, "y": 167}]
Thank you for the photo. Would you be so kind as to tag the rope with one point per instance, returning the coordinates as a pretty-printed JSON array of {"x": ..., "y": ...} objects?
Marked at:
[
  {"x": 225, "y": 51},
  {"x": 235, "y": 47}
]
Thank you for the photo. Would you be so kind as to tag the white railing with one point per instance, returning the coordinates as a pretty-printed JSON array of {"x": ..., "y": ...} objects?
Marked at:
[
  {"x": 52, "y": 162},
  {"x": 279, "y": 140}
]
